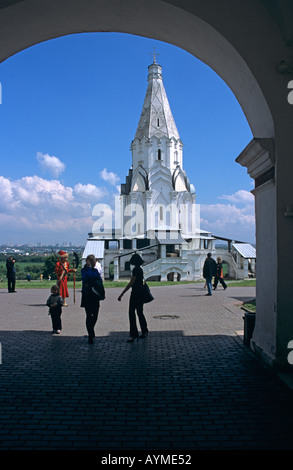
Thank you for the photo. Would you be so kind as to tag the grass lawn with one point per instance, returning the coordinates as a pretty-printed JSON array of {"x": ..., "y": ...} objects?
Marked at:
[
  {"x": 46, "y": 284},
  {"x": 244, "y": 283},
  {"x": 251, "y": 306}
]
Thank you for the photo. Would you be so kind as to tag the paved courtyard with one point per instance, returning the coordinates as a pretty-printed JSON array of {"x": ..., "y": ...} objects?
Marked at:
[{"x": 190, "y": 385}]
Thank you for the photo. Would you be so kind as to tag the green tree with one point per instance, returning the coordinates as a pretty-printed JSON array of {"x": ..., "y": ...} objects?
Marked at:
[{"x": 49, "y": 267}]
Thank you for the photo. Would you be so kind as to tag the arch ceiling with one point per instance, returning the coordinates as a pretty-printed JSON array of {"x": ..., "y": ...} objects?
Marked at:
[{"x": 28, "y": 22}]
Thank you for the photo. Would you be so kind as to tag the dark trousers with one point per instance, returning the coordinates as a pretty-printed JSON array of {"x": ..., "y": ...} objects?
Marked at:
[
  {"x": 91, "y": 320},
  {"x": 221, "y": 280},
  {"x": 91, "y": 304},
  {"x": 209, "y": 284},
  {"x": 11, "y": 283},
  {"x": 56, "y": 318},
  {"x": 136, "y": 306}
]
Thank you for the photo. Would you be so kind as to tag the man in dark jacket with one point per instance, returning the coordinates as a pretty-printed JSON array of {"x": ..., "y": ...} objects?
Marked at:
[
  {"x": 209, "y": 271},
  {"x": 11, "y": 274}
]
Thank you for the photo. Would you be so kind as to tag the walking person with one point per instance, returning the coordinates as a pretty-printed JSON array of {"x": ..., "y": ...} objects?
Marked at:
[
  {"x": 55, "y": 304},
  {"x": 10, "y": 267},
  {"x": 219, "y": 274},
  {"x": 98, "y": 267},
  {"x": 136, "y": 299},
  {"x": 92, "y": 292},
  {"x": 209, "y": 271}
]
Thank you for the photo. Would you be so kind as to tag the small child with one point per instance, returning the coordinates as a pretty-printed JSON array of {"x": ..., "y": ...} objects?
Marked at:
[{"x": 55, "y": 303}]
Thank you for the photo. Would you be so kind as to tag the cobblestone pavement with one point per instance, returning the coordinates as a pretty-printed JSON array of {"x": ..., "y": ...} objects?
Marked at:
[{"x": 190, "y": 385}]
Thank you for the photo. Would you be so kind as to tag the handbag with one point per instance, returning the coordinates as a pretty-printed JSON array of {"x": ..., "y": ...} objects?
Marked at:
[
  {"x": 98, "y": 289},
  {"x": 147, "y": 295},
  {"x": 97, "y": 286}
]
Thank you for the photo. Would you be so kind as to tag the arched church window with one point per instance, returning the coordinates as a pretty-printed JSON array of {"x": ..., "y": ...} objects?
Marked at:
[
  {"x": 111, "y": 270},
  {"x": 159, "y": 154},
  {"x": 158, "y": 122}
]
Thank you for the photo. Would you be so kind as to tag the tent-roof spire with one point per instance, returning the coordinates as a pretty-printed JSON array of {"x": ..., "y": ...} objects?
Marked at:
[{"x": 156, "y": 119}]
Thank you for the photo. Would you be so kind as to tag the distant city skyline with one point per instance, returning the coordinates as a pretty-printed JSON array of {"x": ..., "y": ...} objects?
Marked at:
[
  {"x": 70, "y": 109},
  {"x": 36, "y": 245}
]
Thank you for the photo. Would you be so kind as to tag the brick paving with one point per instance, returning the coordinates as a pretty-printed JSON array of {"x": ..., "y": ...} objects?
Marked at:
[{"x": 190, "y": 385}]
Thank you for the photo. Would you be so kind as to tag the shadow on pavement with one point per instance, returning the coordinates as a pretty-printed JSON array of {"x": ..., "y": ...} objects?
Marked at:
[{"x": 168, "y": 391}]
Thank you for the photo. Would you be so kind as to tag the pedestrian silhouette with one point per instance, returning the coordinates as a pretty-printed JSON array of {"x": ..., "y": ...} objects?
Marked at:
[{"x": 136, "y": 299}]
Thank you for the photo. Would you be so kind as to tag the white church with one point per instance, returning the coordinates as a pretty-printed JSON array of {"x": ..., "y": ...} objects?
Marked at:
[{"x": 156, "y": 213}]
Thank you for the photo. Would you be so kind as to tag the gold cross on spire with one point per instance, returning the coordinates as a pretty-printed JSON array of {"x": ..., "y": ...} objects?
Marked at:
[{"x": 154, "y": 55}]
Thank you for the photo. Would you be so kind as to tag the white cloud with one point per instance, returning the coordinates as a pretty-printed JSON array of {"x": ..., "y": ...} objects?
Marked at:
[
  {"x": 40, "y": 209},
  {"x": 235, "y": 220},
  {"x": 6, "y": 199},
  {"x": 35, "y": 191},
  {"x": 222, "y": 214},
  {"x": 90, "y": 192},
  {"x": 240, "y": 196},
  {"x": 229, "y": 221},
  {"x": 51, "y": 164},
  {"x": 109, "y": 176}
]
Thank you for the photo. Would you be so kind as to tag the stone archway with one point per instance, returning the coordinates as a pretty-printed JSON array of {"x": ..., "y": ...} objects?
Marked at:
[
  {"x": 51, "y": 19},
  {"x": 174, "y": 275},
  {"x": 243, "y": 44}
]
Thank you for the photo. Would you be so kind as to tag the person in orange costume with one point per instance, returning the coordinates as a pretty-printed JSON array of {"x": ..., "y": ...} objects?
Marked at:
[{"x": 62, "y": 269}]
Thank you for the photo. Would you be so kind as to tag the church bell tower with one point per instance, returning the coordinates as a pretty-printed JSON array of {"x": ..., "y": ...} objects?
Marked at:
[{"x": 157, "y": 189}]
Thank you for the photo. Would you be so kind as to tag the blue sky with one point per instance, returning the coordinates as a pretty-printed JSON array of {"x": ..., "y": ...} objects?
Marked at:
[{"x": 70, "y": 108}]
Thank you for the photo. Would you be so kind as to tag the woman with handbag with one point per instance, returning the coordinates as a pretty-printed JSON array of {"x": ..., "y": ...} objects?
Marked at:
[
  {"x": 90, "y": 299},
  {"x": 136, "y": 299}
]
